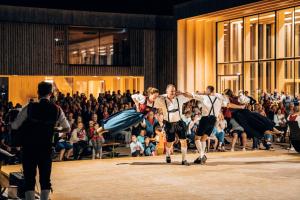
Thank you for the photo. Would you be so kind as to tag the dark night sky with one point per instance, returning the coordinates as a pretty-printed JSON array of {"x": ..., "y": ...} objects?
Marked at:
[{"x": 159, "y": 7}]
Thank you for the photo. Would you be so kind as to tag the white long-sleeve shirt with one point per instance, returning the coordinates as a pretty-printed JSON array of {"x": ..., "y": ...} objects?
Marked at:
[
  {"x": 206, "y": 104},
  {"x": 134, "y": 146},
  {"x": 279, "y": 119},
  {"x": 161, "y": 102},
  {"x": 22, "y": 116}
]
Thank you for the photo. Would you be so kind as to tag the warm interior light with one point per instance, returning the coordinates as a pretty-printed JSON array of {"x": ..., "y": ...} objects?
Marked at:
[{"x": 253, "y": 19}]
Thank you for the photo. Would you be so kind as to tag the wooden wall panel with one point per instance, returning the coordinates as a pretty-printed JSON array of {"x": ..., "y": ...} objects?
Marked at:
[
  {"x": 166, "y": 59},
  {"x": 31, "y": 49},
  {"x": 150, "y": 58}
]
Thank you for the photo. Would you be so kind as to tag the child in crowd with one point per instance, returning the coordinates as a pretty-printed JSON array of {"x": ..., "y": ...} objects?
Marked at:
[
  {"x": 79, "y": 140},
  {"x": 149, "y": 148},
  {"x": 160, "y": 134},
  {"x": 136, "y": 147},
  {"x": 97, "y": 140},
  {"x": 219, "y": 132},
  {"x": 141, "y": 137}
]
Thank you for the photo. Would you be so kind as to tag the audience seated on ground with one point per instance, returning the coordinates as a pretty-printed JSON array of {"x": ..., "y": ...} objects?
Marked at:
[
  {"x": 149, "y": 148},
  {"x": 136, "y": 148}
]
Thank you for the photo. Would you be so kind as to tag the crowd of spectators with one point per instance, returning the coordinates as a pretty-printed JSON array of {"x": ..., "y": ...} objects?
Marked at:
[{"x": 85, "y": 114}]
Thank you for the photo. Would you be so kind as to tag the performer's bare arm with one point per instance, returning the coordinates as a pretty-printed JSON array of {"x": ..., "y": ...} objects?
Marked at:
[{"x": 185, "y": 94}]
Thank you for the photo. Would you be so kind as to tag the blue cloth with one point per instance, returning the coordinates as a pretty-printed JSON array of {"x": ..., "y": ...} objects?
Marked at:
[
  {"x": 149, "y": 149},
  {"x": 219, "y": 135},
  {"x": 122, "y": 120},
  {"x": 63, "y": 145}
]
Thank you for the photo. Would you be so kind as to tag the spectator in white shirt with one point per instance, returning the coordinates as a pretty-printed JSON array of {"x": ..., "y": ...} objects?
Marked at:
[{"x": 136, "y": 147}]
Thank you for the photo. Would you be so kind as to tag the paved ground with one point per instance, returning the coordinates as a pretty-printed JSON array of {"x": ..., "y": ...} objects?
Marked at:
[{"x": 239, "y": 175}]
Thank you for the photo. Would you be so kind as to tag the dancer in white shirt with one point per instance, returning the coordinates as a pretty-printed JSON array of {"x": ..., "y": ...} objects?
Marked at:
[
  {"x": 171, "y": 104},
  {"x": 211, "y": 104}
]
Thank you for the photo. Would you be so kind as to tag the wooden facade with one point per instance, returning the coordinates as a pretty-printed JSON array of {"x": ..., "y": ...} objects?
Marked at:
[{"x": 28, "y": 46}]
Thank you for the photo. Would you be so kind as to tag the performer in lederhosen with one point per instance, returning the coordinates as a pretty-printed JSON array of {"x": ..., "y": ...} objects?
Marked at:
[
  {"x": 211, "y": 104},
  {"x": 171, "y": 105},
  {"x": 130, "y": 117}
]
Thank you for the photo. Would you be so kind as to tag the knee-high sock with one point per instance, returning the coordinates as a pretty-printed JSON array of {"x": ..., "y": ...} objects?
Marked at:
[
  {"x": 168, "y": 151},
  {"x": 203, "y": 147},
  {"x": 30, "y": 195},
  {"x": 183, "y": 153},
  {"x": 199, "y": 148},
  {"x": 45, "y": 195}
]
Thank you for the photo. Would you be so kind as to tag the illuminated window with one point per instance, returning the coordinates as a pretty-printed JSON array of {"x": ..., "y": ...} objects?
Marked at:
[
  {"x": 261, "y": 51},
  {"x": 90, "y": 46}
]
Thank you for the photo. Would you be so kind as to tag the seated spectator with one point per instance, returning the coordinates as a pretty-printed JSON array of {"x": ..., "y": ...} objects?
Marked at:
[
  {"x": 187, "y": 118},
  {"x": 136, "y": 147},
  {"x": 63, "y": 146},
  {"x": 160, "y": 134},
  {"x": 91, "y": 128},
  {"x": 148, "y": 124},
  {"x": 97, "y": 140},
  {"x": 79, "y": 120},
  {"x": 149, "y": 148},
  {"x": 79, "y": 140},
  {"x": 280, "y": 123},
  {"x": 141, "y": 137},
  {"x": 105, "y": 113},
  {"x": 95, "y": 118},
  {"x": 71, "y": 120},
  {"x": 237, "y": 132},
  {"x": 192, "y": 128},
  {"x": 219, "y": 131}
]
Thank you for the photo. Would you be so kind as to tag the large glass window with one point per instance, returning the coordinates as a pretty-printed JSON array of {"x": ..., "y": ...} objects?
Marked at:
[
  {"x": 297, "y": 32},
  {"x": 223, "y": 42},
  {"x": 266, "y": 36},
  {"x": 262, "y": 51},
  {"x": 251, "y": 38},
  {"x": 89, "y": 46},
  {"x": 285, "y": 33},
  {"x": 236, "y": 40}
]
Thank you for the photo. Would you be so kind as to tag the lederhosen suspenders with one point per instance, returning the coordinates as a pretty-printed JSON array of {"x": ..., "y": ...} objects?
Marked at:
[
  {"x": 212, "y": 109},
  {"x": 174, "y": 110}
]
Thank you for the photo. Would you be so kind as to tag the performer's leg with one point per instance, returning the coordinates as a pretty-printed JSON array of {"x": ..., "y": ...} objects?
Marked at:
[
  {"x": 45, "y": 165},
  {"x": 183, "y": 144},
  {"x": 168, "y": 151},
  {"x": 200, "y": 142},
  {"x": 69, "y": 153},
  {"x": 29, "y": 165},
  {"x": 235, "y": 137},
  {"x": 61, "y": 154},
  {"x": 244, "y": 140}
]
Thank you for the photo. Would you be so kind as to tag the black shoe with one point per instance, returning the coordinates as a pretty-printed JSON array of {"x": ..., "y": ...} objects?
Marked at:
[
  {"x": 168, "y": 159},
  {"x": 197, "y": 161},
  {"x": 184, "y": 162},
  {"x": 203, "y": 160}
]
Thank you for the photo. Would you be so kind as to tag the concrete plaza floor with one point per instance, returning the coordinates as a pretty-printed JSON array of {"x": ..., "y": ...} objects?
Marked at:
[{"x": 230, "y": 175}]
